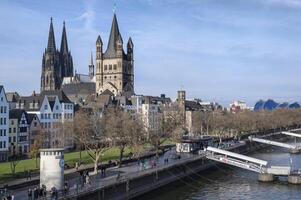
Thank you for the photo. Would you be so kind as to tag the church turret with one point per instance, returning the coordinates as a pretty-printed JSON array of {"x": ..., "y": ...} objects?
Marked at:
[
  {"x": 119, "y": 47},
  {"x": 99, "y": 48},
  {"x": 91, "y": 67}
]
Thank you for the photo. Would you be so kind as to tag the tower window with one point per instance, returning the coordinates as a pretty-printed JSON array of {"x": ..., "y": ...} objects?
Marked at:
[
  {"x": 105, "y": 77},
  {"x": 115, "y": 67},
  {"x": 114, "y": 77},
  {"x": 110, "y": 67},
  {"x": 105, "y": 67}
]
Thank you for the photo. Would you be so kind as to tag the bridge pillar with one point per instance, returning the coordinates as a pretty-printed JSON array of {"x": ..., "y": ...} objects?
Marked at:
[
  {"x": 265, "y": 177},
  {"x": 294, "y": 151},
  {"x": 294, "y": 179}
]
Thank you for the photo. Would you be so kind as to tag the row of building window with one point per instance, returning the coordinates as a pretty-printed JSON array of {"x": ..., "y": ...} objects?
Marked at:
[
  {"x": 14, "y": 139},
  {"x": 106, "y": 67},
  {"x": 2, "y": 144},
  {"x": 14, "y": 130},
  {"x": 110, "y": 77},
  {"x": 50, "y": 153},
  {"x": 2, "y": 132},
  {"x": 54, "y": 116},
  {"x": 2, "y": 121},
  {"x": 3, "y": 109},
  {"x": 67, "y": 106},
  {"x": 46, "y": 124}
]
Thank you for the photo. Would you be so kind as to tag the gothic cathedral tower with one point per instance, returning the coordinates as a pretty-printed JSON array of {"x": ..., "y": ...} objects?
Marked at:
[
  {"x": 55, "y": 64},
  {"x": 114, "y": 67}
]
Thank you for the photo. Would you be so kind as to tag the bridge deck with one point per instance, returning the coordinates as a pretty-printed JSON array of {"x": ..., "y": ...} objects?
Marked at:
[
  {"x": 279, "y": 144},
  {"x": 245, "y": 162}
]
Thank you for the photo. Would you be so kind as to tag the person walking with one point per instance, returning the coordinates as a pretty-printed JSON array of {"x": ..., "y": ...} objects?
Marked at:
[{"x": 29, "y": 194}]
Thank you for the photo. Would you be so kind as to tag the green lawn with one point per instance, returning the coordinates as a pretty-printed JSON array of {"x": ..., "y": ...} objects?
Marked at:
[{"x": 70, "y": 159}]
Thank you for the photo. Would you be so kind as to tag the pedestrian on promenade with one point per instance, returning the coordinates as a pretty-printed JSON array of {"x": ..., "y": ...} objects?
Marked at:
[
  {"x": 29, "y": 194},
  {"x": 76, "y": 166},
  {"x": 88, "y": 180},
  {"x": 44, "y": 190},
  {"x": 35, "y": 193},
  {"x": 66, "y": 188}
]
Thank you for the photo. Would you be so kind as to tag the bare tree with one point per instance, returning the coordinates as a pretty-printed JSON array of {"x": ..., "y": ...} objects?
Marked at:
[
  {"x": 90, "y": 132},
  {"x": 37, "y": 145},
  {"x": 171, "y": 126},
  {"x": 123, "y": 129},
  {"x": 14, "y": 161}
]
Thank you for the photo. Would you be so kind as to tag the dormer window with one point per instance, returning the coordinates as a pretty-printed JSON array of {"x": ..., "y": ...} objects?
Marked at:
[{"x": 45, "y": 107}]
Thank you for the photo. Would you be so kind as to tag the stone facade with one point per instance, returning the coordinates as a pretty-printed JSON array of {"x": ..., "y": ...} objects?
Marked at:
[
  {"x": 4, "y": 119},
  {"x": 114, "y": 67}
]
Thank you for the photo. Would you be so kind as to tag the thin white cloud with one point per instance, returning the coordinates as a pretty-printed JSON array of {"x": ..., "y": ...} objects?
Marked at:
[{"x": 284, "y": 3}]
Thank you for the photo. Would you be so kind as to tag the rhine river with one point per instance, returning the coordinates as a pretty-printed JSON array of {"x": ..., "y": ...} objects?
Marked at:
[{"x": 228, "y": 182}]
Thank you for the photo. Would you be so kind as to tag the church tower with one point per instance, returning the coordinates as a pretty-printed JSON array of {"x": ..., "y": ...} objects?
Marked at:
[
  {"x": 65, "y": 56},
  {"x": 114, "y": 67},
  {"x": 56, "y": 64},
  {"x": 51, "y": 70}
]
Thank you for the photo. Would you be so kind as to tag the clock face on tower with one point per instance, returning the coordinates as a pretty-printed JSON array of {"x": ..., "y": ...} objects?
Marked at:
[{"x": 62, "y": 163}]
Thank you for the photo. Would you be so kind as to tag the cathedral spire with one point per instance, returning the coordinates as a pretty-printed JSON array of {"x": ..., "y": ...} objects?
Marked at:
[
  {"x": 91, "y": 67},
  {"x": 91, "y": 59},
  {"x": 114, "y": 37},
  {"x": 64, "y": 43},
  {"x": 51, "y": 40}
]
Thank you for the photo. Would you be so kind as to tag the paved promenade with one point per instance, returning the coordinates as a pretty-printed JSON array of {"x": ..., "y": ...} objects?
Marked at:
[{"x": 111, "y": 177}]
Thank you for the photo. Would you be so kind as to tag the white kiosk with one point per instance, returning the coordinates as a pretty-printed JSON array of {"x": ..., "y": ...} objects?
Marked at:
[{"x": 52, "y": 168}]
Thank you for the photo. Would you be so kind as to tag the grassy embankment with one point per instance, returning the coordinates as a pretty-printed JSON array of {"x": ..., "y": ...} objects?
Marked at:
[{"x": 70, "y": 159}]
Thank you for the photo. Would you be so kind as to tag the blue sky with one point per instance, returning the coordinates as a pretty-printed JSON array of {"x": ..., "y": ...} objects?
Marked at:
[{"x": 217, "y": 50}]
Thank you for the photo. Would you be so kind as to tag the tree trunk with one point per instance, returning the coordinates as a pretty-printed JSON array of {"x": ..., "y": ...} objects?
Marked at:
[
  {"x": 36, "y": 161},
  {"x": 157, "y": 151},
  {"x": 80, "y": 156},
  {"x": 96, "y": 164},
  {"x": 121, "y": 156}
]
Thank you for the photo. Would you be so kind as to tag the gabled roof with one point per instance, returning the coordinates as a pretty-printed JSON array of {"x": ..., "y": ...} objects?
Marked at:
[
  {"x": 12, "y": 96},
  {"x": 61, "y": 95},
  {"x": 38, "y": 98},
  {"x": 16, "y": 114},
  {"x": 30, "y": 117},
  {"x": 192, "y": 105}
]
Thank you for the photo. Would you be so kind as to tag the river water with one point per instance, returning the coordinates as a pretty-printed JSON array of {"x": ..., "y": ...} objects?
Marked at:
[{"x": 228, "y": 182}]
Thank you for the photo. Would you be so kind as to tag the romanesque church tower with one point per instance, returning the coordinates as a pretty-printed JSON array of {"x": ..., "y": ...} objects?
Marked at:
[
  {"x": 114, "y": 67},
  {"x": 55, "y": 64}
]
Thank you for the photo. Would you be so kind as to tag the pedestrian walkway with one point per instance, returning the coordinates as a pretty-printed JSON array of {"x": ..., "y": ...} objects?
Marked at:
[{"x": 114, "y": 174}]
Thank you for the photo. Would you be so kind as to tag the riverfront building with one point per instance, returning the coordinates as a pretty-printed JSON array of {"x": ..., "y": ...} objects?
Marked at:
[
  {"x": 4, "y": 118},
  {"x": 18, "y": 132},
  {"x": 54, "y": 110}
]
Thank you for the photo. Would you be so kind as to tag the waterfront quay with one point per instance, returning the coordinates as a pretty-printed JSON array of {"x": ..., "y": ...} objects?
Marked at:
[{"x": 134, "y": 179}]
